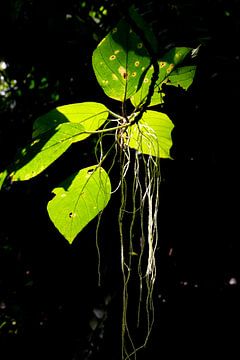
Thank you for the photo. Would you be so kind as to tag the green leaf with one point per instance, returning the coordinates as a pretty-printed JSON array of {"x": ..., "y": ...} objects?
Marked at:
[
  {"x": 44, "y": 150},
  {"x": 152, "y": 134},
  {"x": 182, "y": 77},
  {"x": 3, "y": 176},
  {"x": 54, "y": 132},
  {"x": 91, "y": 115},
  {"x": 167, "y": 64},
  {"x": 144, "y": 28},
  {"x": 78, "y": 200},
  {"x": 120, "y": 61}
]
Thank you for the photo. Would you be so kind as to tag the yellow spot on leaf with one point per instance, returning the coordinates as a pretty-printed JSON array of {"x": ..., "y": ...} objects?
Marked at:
[
  {"x": 162, "y": 64},
  {"x": 122, "y": 71},
  {"x": 112, "y": 57},
  {"x": 140, "y": 45},
  {"x": 105, "y": 82},
  {"x": 114, "y": 30},
  {"x": 137, "y": 63},
  {"x": 114, "y": 77},
  {"x": 169, "y": 69},
  {"x": 146, "y": 80},
  {"x": 134, "y": 74},
  {"x": 116, "y": 52},
  {"x": 143, "y": 68}
]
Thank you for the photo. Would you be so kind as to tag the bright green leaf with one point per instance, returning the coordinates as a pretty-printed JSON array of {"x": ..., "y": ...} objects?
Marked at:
[
  {"x": 91, "y": 115},
  {"x": 167, "y": 64},
  {"x": 78, "y": 200},
  {"x": 3, "y": 176},
  {"x": 120, "y": 61},
  {"x": 44, "y": 150},
  {"x": 152, "y": 134},
  {"x": 54, "y": 132}
]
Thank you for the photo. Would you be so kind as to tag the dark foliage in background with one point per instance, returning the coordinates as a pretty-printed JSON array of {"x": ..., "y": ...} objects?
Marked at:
[{"x": 50, "y": 304}]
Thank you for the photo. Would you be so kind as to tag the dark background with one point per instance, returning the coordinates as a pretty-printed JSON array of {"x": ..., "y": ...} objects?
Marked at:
[{"x": 49, "y": 298}]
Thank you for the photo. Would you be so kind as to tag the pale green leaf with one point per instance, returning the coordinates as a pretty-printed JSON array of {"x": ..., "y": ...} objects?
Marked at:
[
  {"x": 120, "y": 61},
  {"x": 78, "y": 200},
  {"x": 152, "y": 134},
  {"x": 44, "y": 150},
  {"x": 169, "y": 62},
  {"x": 91, "y": 115}
]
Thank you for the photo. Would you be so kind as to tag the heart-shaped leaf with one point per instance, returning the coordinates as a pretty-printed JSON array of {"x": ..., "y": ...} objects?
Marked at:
[{"x": 78, "y": 200}]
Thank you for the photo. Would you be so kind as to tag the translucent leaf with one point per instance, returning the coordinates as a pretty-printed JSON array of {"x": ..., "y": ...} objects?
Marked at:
[
  {"x": 152, "y": 134},
  {"x": 78, "y": 200},
  {"x": 91, "y": 115},
  {"x": 167, "y": 64},
  {"x": 182, "y": 77},
  {"x": 44, "y": 150},
  {"x": 54, "y": 132},
  {"x": 120, "y": 61},
  {"x": 3, "y": 176}
]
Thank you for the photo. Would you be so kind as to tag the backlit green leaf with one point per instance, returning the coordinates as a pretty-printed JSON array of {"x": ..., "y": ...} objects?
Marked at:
[
  {"x": 44, "y": 150},
  {"x": 120, "y": 61},
  {"x": 3, "y": 176},
  {"x": 54, "y": 132},
  {"x": 167, "y": 64},
  {"x": 91, "y": 115},
  {"x": 182, "y": 77},
  {"x": 152, "y": 134},
  {"x": 78, "y": 200}
]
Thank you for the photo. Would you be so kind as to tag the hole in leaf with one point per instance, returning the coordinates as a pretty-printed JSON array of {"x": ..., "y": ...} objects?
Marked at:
[{"x": 72, "y": 215}]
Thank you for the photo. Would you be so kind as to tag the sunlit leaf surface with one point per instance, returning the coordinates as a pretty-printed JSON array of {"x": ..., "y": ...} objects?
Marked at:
[
  {"x": 78, "y": 200},
  {"x": 152, "y": 134}
]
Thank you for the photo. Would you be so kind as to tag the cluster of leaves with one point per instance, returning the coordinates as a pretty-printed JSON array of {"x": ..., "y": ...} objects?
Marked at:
[{"x": 126, "y": 71}]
